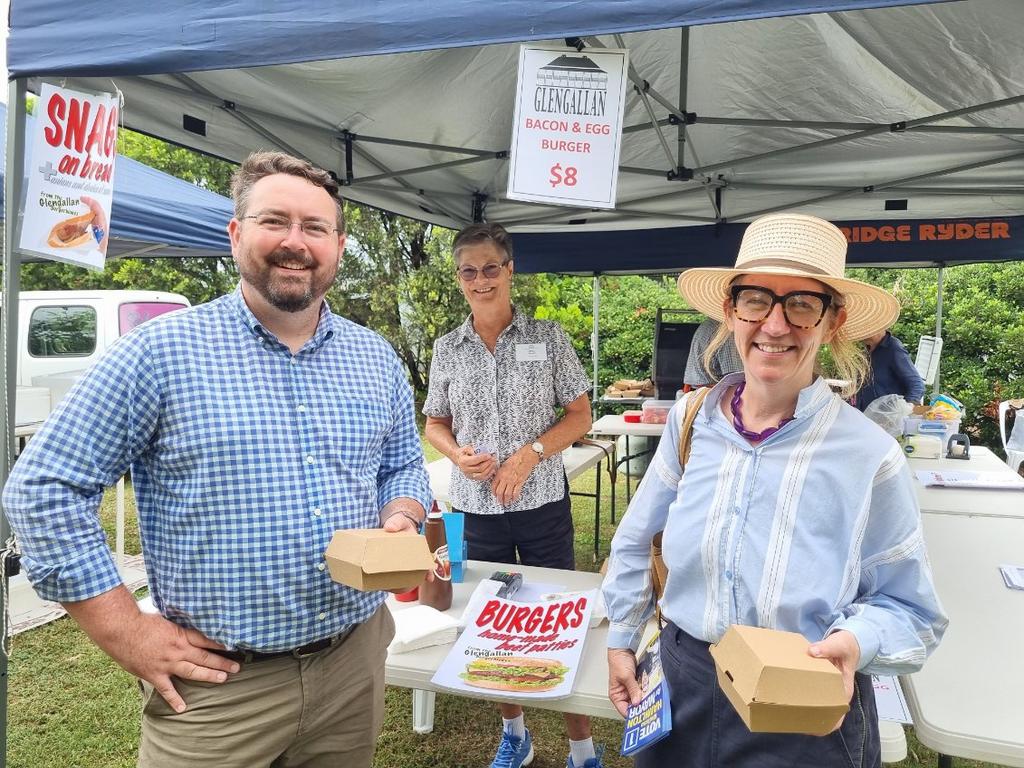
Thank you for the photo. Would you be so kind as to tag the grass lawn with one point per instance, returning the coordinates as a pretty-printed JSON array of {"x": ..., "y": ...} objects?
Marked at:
[{"x": 71, "y": 706}]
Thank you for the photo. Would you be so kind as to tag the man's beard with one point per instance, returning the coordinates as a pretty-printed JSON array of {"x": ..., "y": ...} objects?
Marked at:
[{"x": 282, "y": 293}]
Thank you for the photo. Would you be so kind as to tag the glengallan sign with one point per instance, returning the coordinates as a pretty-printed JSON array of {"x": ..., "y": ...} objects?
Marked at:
[{"x": 568, "y": 126}]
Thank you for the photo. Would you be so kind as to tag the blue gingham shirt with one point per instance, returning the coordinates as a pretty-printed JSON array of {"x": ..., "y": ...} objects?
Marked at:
[
  {"x": 815, "y": 529},
  {"x": 245, "y": 460}
]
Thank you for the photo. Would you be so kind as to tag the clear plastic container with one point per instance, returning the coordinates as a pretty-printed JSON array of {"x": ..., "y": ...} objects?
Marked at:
[
  {"x": 655, "y": 411},
  {"x": 915, "y": 425}
]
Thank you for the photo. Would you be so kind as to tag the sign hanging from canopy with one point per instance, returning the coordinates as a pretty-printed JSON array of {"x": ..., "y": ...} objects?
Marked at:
[
  {"x": 568, "y": 126},
  {"x": 71, "y": 177}
]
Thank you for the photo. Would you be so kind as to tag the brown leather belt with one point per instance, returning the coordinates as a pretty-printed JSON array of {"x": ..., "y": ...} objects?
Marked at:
[{"x": 309, "y": 649}]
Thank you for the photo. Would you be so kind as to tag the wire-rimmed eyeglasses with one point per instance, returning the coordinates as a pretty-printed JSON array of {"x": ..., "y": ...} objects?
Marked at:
[
  {"x": 311, "y": 229},
  {"x": 802, "y": 309},
  {"x": 468, "y": 274}
]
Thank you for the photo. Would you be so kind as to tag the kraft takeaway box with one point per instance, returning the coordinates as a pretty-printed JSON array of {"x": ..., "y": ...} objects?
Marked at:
[
  {"x": 371, "y": 558},
  {"x": 775, "y": 686}
]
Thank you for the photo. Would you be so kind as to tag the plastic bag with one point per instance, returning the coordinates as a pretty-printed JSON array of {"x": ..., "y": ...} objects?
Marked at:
[{"x": 889, "y": 412}]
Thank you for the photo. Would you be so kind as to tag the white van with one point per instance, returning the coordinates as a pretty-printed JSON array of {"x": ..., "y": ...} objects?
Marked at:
[{"x": 62, "y": 333}]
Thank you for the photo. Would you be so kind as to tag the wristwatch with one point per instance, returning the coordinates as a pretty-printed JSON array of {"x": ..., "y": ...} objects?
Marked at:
[{"x": 538, "y": 448}]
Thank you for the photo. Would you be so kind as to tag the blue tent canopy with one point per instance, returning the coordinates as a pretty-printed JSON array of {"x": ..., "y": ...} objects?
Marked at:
[
  {"x": 852, "y": 110},
  {"x": 157, "y": 215},
  {"x": 119, "y": 37}
]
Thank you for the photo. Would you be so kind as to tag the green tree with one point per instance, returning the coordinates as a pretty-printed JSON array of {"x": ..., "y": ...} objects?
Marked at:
[
  {"x": 398, "y": 278},
  {"x": 982, "y": 332},
  {"x": 629, "y": 307}
]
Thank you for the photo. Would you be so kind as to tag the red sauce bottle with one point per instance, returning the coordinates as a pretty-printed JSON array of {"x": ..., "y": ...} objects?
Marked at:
[{"x": 437, "y": 593}]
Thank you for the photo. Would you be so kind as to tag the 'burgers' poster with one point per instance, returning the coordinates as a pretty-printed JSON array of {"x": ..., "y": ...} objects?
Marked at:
[
  {"x": 519, "y": 650},
  {"x": 70, "y": 176}
]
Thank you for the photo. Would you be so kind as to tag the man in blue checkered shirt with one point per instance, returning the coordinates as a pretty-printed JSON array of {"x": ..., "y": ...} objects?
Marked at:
[{"x": 255, "y": 426}]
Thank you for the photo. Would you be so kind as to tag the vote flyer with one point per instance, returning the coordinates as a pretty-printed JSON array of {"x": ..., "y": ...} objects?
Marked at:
[{"x": 651, "y": 720}]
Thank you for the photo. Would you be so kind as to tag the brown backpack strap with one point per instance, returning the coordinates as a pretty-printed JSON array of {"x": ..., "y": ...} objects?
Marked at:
[{"x": 693, "y": 405}]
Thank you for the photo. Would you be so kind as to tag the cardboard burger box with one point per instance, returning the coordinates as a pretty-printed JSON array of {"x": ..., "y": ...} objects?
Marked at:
[
  {"x": 371, "y": 558},
  {"x": 775, "y": 686}
]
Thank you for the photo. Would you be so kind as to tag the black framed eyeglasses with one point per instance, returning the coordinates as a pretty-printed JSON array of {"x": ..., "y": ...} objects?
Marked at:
[
  {"x": 802, "y": 309},
  {"x": 275, "y": 224},
  {"x": 490, "y": 271}
]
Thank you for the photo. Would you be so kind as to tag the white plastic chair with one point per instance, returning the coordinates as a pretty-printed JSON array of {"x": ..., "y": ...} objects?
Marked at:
[{"x": 1014, "y": 447}]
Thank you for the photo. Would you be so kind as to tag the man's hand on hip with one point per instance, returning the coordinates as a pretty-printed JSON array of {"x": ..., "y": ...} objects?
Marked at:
[{"x": 148, "y": 645}]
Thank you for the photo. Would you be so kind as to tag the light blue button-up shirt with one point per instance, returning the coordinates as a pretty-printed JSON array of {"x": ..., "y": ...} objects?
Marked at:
[
  {"x": 245, "y": 460},
  {"x": 815, "y": 529}
]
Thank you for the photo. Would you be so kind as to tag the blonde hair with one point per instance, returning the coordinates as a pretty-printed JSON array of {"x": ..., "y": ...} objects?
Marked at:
[{"x": 848, "y": 361}]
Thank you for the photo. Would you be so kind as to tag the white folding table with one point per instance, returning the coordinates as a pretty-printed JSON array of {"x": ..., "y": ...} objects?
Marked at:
[
  {"x": 590, "y": 691},
  {"x": 969, "y": 501},
  {"x": 614, "y": 425},
  {"x": 968, "y": 700}
]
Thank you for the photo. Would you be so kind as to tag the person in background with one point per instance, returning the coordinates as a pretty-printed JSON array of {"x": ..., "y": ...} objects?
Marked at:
[
  {"x": 892, "y": 371},
  {"x": 795, "y": 512},
  {"x": 496, "y": 383},
  {"x": 255, "y": 426},
  {"x": 725, "y": 360}
]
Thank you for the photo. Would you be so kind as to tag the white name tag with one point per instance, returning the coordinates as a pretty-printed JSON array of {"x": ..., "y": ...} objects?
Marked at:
[{"x": 526, "y": 352}]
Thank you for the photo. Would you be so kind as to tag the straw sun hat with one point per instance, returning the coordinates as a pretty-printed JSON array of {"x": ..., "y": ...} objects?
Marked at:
[{"x": 801, "y": 246}]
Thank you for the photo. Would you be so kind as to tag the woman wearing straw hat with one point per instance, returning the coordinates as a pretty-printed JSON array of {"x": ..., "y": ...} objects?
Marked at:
[{"x": 795, "y": 512}]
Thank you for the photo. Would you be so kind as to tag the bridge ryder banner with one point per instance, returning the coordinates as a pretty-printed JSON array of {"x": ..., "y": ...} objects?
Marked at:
[
  {"x": 71, "y": 176},
  {"x": 872, "y": 242}
]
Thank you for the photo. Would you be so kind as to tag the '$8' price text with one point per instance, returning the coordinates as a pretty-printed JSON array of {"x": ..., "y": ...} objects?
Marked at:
[{"x": 559, "y": 175}]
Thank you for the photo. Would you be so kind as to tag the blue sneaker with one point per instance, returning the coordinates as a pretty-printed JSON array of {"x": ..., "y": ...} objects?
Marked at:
[
  {"x": 594, "y": 762},
  {"x": 513, "y": 752}
]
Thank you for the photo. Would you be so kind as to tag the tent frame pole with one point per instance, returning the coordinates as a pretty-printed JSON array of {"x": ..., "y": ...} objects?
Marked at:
[
  {"x": 240, "y": 114},
  {"x": 595, "y": 340},
  {"x": 14, "y": 183},
  {"x": 360, "y": 180},
  {"x": 684, "y": 84},
  {"x": 883, "y": 185},
  {"x": 936, "y": 386},
  {"x": 899, "y": 127},
  {"x": 959, "y": 191},
  {"x": 421, "y": 145},
  {"x": 450, "y": 212},
  {"x": 232, "y": 109}
]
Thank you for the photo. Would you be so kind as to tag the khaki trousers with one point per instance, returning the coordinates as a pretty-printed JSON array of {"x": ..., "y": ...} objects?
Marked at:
[{"x": 321, "y": 710}]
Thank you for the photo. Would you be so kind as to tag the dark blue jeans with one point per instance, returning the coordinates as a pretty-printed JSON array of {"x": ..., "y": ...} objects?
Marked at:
[{"x": 707, "y": 732}]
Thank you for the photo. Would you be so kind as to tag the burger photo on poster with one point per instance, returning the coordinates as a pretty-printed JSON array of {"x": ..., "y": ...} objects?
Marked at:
[{"x": 514, "y": 673}]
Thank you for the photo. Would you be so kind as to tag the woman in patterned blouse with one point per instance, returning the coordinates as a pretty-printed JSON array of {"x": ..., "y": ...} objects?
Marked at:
[{"x": 496, "y": 383}]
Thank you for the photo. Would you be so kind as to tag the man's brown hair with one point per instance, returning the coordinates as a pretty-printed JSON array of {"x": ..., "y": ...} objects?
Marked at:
[{"x": 261, "y": 164}]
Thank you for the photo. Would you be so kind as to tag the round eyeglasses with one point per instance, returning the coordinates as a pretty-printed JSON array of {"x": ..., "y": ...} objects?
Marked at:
[
  {"x": 312, "y": 229},
  {"x": 490, "y": 271},
  {"x": 802, "y": 309}
]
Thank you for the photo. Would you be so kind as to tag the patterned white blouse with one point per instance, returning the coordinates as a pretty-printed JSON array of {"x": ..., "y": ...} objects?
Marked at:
[{"x": 505, "y": 401}]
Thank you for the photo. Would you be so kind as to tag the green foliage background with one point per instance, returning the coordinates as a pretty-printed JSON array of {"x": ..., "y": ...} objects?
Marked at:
[{"x": 398, "y": 278}]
